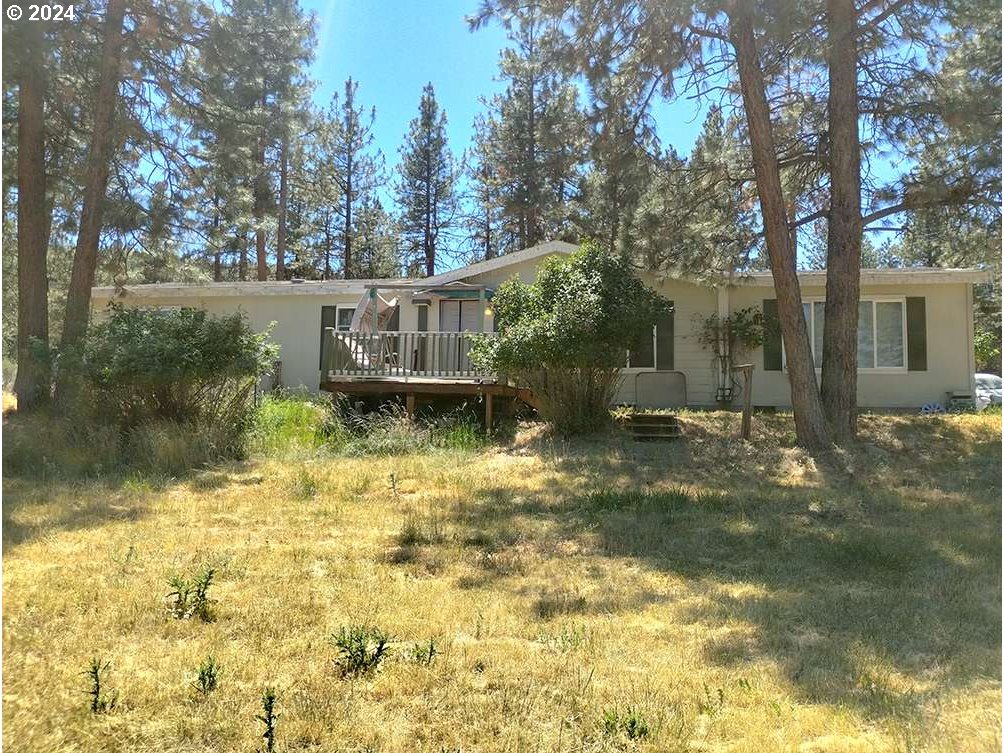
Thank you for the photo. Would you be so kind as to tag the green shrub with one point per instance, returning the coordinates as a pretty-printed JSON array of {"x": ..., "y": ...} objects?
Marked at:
[
  {"x": 102, "y": 702},
  {"x": 208, "y": 677},
  {"x": 565, "y": 336},
  {"x": 185, "y": 366},
  {"x": 629, "y": 722},
  {"x": 189, "y": 597},
  {"x": 361, "y": 648},
  {"x": 269, "y": 718}
]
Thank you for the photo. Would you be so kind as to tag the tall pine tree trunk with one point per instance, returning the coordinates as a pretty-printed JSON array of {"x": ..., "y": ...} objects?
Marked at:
[
  {"x": 217, "y": 255},
  {"x": 242, "y": 257},
  {"x": 429, "y": 245},
  {"x": 843, "y": 243},
  {"x": 347, "y": 238},
  {"x": 259, "y": 215},
  {"x": 33, "y": 219},
  {"x": 85, "y": 256},
  {"x": 810, "y": 424},
  {"x": 280, "y": 243}
]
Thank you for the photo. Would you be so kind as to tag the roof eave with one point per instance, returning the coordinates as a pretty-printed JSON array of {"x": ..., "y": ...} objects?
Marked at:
[{"x": 926, "y": 276}]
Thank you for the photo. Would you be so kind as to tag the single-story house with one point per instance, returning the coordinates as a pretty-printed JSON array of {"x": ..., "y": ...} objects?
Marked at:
[{"x": 915, "y": 333}]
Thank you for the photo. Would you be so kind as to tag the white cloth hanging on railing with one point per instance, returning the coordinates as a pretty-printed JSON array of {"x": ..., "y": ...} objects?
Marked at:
[{"x": 362, "y": 317}]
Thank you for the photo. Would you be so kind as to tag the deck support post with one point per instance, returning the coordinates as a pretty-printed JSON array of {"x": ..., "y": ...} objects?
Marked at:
[
  {"x": 409, "y": 404},
  {"x": 488, "y": 412}
]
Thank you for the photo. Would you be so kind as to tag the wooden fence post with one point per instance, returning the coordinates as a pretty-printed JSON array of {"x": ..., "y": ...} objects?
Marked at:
[{"x": 747, "y": 424}]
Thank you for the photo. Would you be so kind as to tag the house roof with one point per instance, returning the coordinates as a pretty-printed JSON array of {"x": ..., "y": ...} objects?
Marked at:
[
  {"x": 897, "y": 276},
  {"x": 906, "y": 275},
  {"x": 500, "y": 262},
  {"x": 244, "y": 288}
]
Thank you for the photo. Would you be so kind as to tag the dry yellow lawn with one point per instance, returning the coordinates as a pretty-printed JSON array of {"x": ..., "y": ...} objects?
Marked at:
[{"x": 735, "y": 598}]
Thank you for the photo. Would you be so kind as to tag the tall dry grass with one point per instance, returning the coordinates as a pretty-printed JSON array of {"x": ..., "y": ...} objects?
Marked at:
[{"x": 599, "y": 595}]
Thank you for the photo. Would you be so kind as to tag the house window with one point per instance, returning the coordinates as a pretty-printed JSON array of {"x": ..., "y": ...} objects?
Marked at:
[
  {"x": 343, "y": 320},
  {"x": 881, "y": 332},
  {"x": 654, "y": 350},
  {"x": 339, "y": 317}
]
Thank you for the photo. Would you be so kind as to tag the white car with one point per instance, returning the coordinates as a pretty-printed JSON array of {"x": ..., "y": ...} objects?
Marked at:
[{"x": 988, "y": 390}]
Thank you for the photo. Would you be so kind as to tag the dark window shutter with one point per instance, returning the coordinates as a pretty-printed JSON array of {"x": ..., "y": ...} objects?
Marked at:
[
  {"x": 916, "y": 334},
  {"x": 664, "y": 337},
  {"x": 327, "y": 320},
  {"x": 423, "y": 318},
  {"x": 771, "y": 336}
]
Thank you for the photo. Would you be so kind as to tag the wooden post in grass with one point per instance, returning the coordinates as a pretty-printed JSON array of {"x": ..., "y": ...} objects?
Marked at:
[
  {"x": 746, "y": 428},
  {"x": 409, "y": 404},
  {"x": 489, "y": 409}
]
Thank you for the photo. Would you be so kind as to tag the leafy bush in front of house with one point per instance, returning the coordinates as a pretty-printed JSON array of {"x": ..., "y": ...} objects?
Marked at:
[
  {"x": 565, "y": 335},
  {"x": 185, "y": 364},
  {"x": 161, "y": 391}
]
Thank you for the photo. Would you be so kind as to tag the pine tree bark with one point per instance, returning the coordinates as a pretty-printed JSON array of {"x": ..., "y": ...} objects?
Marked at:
[
  {"x": 242, "y": 257},
  {"x": 33, "y": 219},
  {"x": 347, "y": 237},
  {"x": 259, "y": 215},
  {"x": 429, "y": 244},
  {"x": 843, "y": 243},
  {"x": 810, "y": 423},
  {"x": 85, "y": 256},
  {"x": 280, "y": 243}
]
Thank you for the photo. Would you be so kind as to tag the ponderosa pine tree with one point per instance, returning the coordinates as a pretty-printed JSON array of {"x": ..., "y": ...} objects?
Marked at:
[
  {"x": 33, "y": 221},
  {"x": 695, "y": 216},
  {"x": 426, "y": 186},
  {"x": 483, "y": 220},
  {"x": 99, "y": 155},
  {"x": 623, "y": 154},
  {"x": 536, "y": 131},
  {"x": 645, "y": 44},
  {"x": 357, "y": 168},
  {"x": 377, "y": 245}
]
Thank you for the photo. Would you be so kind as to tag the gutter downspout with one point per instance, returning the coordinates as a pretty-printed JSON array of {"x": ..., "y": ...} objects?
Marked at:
[{"x": 971, "y": 340}]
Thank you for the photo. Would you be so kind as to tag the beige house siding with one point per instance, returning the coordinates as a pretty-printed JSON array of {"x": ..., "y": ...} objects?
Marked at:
[
  {"x": 691, "y": 303},
  {"x": 297, "y": 318},
  {"x": 950, "y": 358},
  {"x": 297, "y": 325}
]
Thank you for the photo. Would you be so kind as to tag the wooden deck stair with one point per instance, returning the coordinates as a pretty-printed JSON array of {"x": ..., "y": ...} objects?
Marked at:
[{"x": 653, "y": 427}]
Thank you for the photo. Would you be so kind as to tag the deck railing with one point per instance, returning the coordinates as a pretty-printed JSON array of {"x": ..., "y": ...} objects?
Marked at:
[{"x": 399, "y": 355}]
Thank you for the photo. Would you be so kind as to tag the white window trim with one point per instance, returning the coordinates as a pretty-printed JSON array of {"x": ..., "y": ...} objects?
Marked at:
[
  {"x": 338, "y": 310},
  {"x": 870, "y": 298}
]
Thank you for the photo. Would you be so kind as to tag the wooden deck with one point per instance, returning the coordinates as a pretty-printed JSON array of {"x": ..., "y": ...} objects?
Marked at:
[{"x": 415, "y": 388}]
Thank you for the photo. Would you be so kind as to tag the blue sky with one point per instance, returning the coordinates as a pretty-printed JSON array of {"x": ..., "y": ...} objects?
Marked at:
[{"x": 395, "y": 47}]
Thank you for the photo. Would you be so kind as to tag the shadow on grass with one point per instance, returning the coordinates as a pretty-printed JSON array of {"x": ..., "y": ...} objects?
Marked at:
[{"x": 863, "y": 586}]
